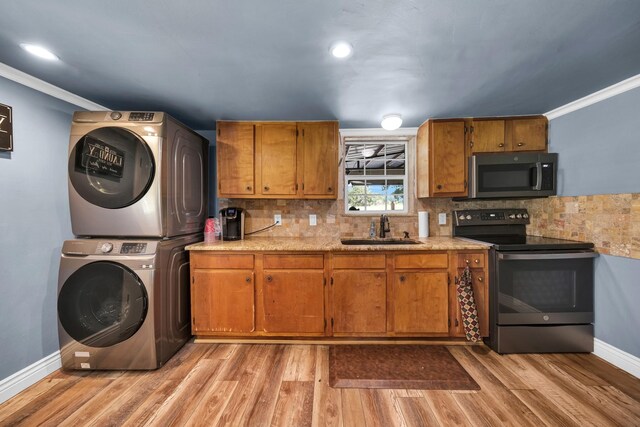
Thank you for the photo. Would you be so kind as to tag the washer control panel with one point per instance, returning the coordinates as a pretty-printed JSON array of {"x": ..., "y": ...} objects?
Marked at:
[{"x": 141, "y": 117}]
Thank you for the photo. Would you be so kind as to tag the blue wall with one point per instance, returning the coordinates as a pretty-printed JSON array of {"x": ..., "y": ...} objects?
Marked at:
[
  {"x": 34, "y": 221},
  {"x": 599, "y": 149}
]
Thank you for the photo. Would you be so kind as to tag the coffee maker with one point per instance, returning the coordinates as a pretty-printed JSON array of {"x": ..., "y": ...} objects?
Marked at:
[{"x": 232, "y": 220}]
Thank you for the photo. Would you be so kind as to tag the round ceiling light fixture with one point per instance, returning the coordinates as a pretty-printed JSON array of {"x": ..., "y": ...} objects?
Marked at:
[
  {"x": 391, "y": 121},
  {"x": 341, "y": 49},
  {"x": 39, "y": 51}
]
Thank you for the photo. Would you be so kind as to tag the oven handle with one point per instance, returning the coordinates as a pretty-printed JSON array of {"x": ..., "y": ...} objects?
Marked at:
[{"x": 571, "y": 255}]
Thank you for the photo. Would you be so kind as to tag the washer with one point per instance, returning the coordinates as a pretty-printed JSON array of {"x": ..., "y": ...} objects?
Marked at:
[
  {"x": 136, "y": 174},
  {"x": 123, "y": 304}
]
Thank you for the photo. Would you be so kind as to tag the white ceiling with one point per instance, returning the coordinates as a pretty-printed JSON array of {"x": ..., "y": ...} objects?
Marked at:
[{"x": 204, "y": 60}]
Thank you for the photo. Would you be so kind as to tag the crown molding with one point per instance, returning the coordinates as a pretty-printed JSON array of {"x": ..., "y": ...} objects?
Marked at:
[
  {"x": 601, "y": 95},
  {"x": 47, "y": 88}
]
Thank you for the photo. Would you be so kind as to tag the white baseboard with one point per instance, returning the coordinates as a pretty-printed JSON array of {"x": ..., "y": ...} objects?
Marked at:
[
  {"x": 30, "y": 375},
  {"x": 615, "y": 356}
]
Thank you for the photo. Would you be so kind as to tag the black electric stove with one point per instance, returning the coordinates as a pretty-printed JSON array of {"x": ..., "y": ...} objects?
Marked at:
[{"x": 540, "y": 288}]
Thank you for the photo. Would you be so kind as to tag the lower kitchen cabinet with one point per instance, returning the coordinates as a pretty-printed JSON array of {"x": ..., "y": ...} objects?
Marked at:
[
  {"x": 294, "y": 302},
  {"x": 222, "y": 301},
  {"x": 380, "y": 294},
  {"x": 479, "y": 283},
  {"x": 421, "y": 303},
  {"x": 359, "y": 302}
]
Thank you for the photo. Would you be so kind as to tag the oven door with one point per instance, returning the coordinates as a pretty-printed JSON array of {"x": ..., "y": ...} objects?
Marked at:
[{"x": 536, "y": 288}]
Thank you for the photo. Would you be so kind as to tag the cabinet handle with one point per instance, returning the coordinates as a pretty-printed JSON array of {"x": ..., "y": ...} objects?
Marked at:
[
  {"x": 477, "y": 261},
  {"x": 456, "y": 323},
  {"x": 467, "y": 261},
  {"x": 402, "y": 278},
  {"x": 480, "y": 279},
  {"x": 520, "y": 144},
  {"x": 248, "y": 279},
  {"x": 269, "y": 279},
  {"x": 330, "y": 189},
  {"x": 501, "y": 145},
  {"x": 439, "y": 186},
  {"x": 248, "y": 188},
  {"x": 266, "y": 188}
]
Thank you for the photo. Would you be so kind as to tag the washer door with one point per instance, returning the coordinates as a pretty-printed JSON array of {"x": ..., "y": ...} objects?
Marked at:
[
  {"x": 111, "y": 167},
  {"x": 102, "y": 304}
]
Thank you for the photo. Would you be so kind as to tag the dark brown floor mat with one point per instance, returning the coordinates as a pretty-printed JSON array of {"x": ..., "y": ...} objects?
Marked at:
[{"x": 427, "y": 367}]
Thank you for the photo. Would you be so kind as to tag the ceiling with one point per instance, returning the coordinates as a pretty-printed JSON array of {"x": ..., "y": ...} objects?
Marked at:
[{"x": 205, "y": 60}]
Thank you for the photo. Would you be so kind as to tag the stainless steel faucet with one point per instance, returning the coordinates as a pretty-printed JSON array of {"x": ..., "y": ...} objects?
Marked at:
[{"x": 384, "y": 226}]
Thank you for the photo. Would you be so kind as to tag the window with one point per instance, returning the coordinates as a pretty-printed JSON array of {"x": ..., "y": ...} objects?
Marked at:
[{"x": 375, "y": 176}]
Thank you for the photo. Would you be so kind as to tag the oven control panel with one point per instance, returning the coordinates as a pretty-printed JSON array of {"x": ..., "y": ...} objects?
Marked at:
[{"x": 490, "y": 217}]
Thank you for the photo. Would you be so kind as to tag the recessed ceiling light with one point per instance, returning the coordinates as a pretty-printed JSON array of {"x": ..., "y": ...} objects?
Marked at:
[
  {"x": 39, "y": 51},
  {"x": 391, "y": 121},
  {"x": 341, "y": 50}
]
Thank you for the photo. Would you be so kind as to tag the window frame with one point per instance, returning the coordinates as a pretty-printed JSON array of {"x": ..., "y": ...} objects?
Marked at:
[{"x": 376, "y": 140}]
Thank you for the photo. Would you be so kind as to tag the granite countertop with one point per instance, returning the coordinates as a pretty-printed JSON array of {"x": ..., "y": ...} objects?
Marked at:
[{"x": 332, "y": 244}]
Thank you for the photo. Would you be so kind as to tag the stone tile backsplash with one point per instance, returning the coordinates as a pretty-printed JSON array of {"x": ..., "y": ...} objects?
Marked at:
[{"x": 611, "y": 221}]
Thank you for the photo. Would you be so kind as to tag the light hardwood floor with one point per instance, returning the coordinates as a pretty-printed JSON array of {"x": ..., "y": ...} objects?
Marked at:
[{"x": 287, "y": 385}]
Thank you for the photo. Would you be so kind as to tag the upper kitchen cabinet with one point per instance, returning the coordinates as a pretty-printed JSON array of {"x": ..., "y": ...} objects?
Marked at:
[
  {"x": 487, "y": 136},
  {"x": 235, "y": 150},
  {"x": 441, "y": 159},
  {"x": 527, "y": 134},
  {"x": 277, "y": 160},
  {"x": 508, "y": 134},
  {"x": 318, "y": 161},
  {"x": 276, "y": 154}
]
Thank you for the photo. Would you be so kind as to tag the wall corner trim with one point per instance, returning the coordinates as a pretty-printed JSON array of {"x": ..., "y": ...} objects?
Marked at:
[
  {"x": 601, "y": 95},
  {"x": 28, "y": 376},
  {"x": 621, "y": 359},
  {"x": 47, "y": 88}
]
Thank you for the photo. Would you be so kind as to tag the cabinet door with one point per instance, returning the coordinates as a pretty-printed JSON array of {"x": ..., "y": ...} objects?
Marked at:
[
  {"x": 277, "y": 158},
  {"x": 447, "y": 160},
  {"x": 359, "y": 302},
  {"x": 318, "y": 143},
  {"x": 294, "y": 301},
  {"x": 421, "y": 302},
  {"x": 487, "y": 136},
  {"x": 529, "y": 134},
  {"x": 481, "y": 296},
  {"x": 235, "y": 154},
  {"x": 222, "y": 301}
]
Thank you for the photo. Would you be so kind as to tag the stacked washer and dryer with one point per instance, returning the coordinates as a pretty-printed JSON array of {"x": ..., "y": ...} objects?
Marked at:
[{"x": 138, "y": 196}]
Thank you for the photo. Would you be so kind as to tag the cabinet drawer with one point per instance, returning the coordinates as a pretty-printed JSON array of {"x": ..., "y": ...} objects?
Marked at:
[
  {"x": 473, "y": 260},
  {"x": 226, "y": 261},
  {"x": 352, "y": 262},
  {"x": 425, "y": 260},
  {"x": 294, "y": 261}
]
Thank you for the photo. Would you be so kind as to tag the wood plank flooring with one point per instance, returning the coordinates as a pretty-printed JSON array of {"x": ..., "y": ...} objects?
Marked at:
[{"x": 287, "y": 385}]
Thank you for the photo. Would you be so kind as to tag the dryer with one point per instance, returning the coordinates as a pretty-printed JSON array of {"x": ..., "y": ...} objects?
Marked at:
[
  {"x": 123, "y": 304},
  {"x": 140, "y": 174}
]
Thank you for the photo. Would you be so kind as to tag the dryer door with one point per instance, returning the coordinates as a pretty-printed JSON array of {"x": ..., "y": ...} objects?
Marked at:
[
  {"x": 102, "y": 304},
  {"x": 111, "y": 167}
]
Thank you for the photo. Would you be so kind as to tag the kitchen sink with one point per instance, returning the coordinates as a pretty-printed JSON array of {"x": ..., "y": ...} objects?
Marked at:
[{"x": 379, "y": 242}]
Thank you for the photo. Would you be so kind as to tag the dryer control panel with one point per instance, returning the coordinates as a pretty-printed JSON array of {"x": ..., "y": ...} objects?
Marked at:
[{"x": 133, "y": 248}]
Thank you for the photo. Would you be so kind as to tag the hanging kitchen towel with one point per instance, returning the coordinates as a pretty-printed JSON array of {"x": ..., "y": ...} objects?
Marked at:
[{"x": 468, "y": 307}]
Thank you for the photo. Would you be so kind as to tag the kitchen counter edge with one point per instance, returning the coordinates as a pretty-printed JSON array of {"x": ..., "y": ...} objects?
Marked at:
[{"x": 285, "y": 244}]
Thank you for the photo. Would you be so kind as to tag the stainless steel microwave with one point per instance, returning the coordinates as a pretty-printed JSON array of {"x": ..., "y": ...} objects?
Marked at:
[{"x": 512, "y": 175}]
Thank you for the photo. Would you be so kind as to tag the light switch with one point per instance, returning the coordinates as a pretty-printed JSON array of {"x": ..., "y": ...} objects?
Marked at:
[
  {"x": 442, "y": 219},
  {"x": 277, "y": 218},
  {"x": 313, "y": 221}
]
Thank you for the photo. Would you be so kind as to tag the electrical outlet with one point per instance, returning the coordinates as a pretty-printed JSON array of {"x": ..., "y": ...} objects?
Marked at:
[
  {"x": 277, "y": 218},
  {"x": 313, "y": 220},
  {"x": 442, "y": 219}
]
